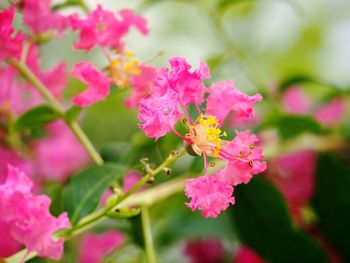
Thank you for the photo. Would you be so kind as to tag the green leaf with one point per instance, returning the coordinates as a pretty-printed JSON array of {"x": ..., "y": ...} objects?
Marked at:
[
  {"x": 72, "y": 113},
  {"x": 36, "y": 118},
  {"x": 262, "y": 221},
  {"x": 332, "y": 202},
  {"x": 296, "y": 79},
  {"x": 83, "y": 193},
  {"x": 290, "y": 126}
]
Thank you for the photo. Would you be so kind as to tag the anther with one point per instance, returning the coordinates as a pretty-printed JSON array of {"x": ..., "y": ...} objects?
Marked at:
[
  {"x": 251, "y": 146},
  {"x": 184, "y": 120},
  {"x": 251, "y": 164},
  {"x": 212, "y": 164}
]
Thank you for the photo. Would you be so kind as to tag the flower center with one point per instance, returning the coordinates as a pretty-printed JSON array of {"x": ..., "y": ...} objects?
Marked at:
[
  {"x": 205, "y": 136},
  {"x": 122, "y": 70}
]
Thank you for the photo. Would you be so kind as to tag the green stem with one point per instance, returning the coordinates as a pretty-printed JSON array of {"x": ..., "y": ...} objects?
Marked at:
[
  {"x": 73, "y": 125},
  {"x": 97, "y": 216},
  {"x": 147, "y": 233}
]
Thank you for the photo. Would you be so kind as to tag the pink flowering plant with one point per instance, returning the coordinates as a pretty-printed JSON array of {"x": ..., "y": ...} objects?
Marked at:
[{"x": 208, "y": 156}]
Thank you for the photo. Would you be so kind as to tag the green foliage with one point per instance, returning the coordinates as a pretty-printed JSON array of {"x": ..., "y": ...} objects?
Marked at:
[
  {"x": 290, "y": 126},
  {"x": 84, "y": 191},
  {"x": 36, "y": 118},
  {"x": 332, "y": 202},
  {"x": 262, "y": 221}
]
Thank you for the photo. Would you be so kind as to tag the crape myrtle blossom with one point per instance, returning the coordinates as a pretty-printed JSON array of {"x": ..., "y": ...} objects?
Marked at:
[
  {"x": 106, "y": 29},
  {"x": 27, "y": 216},
  {"x": 96, "y": 246},
  {"x": 294, "y": 175},
  {"x": 39, "y": 17},
  {"x": 98, "y": 84},
  {"x": 296, "y": 101},
  {"x": 10, "y": 41},
  {"x": 179, "y": 87},
  {"x": 54, "y": 154},
  {"x": 209, "y": 250}
]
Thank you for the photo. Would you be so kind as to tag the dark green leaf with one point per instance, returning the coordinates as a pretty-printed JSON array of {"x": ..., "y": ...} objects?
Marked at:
[
  {"x": 332, "y": 202},
  {"x": 36, "y": 118},
  {"x": 290, "y": 126},
  {"x": 84, "y": 191},
  {"x": 262, "y": 221},
  {"x": 296, "y": 79}
]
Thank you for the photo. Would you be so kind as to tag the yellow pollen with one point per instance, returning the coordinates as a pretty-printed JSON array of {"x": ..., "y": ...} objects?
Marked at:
[
  {"x": 124, "y": 68},
  {"x": 212, "y": 132}
]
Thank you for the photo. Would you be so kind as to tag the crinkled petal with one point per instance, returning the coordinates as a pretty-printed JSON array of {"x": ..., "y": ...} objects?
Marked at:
[
  {"x": 224, "y": 98},
  {"x": 209, "y": 195},
  {"x": 98, "y": 88},
  {"x": 159, "y": 114}
]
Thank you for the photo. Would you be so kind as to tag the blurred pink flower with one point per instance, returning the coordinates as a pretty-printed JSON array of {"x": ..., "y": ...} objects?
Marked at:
[
  {"x": 205, "y": 250},
  {"x": 37, "y": 15},
  {"x": 8, "y": 156},
  {"x": 8, "y": 245},
  {"x": 247, "y": 255},
  {"x": 16, "y": 96},
  {"x": 332, "y": 112},
  {"x": 295, "y": 101},
  {"x": 28, "y": 216},
  {"x": 187, "y": 85},
  {"x": 98, "y": 84},
  {"x": 294, "y": 175},
  {"x": 95, "y": 246},
  {"x": 141, "y": 85},
  {"x": 10, "y": 41},
  {"x": 209, "y": 194},
  {"x": 104, "y": 29},
  {"x": 60, "y": 154},
  {"x": 224, "y": 98},
  {"x": 244, "y": 159},
  {"x": 130, "y": 179},
  {"x": 159, "y": 114}
]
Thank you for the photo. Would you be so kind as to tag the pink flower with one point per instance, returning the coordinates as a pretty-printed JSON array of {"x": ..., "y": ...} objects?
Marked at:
[
  {"x": 247, "y": 255},
  {"x": 8, "y": 245},
  {"x": 295, "y": 101},
  {"x": 331, "y": 113},
  {"x": 96, "y": 246},
  {"x": 186, "y": 84},
  {"x": 55, "y": 153},
  {"x": 38, "y": 16},
  {"x": 159, "y": 114},
  {"x": 7, "y": 156},
  {"x": 294, "y": 175},
  {"x": 224, "y": 98},
  {"x": 98, "y": 84},
  {"x": 130, "y": 179},
  {"x": 141, "y": 86},
  {"x": 209, "y": 195},
  {"x": 244, "y": 159},
  {"x": 103, "y": 28},
  {"x": 10, "y": 42},
  {"x": 205, "y": 251},
  {"x": 28, "y": 216}
]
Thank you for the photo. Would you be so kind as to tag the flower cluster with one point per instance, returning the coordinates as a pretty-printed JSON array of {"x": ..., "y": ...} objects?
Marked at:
[
  {"x": 106, "y": 30},
  {"x": 27, "y": 216},
  {"x": 173, "y": 91}
]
